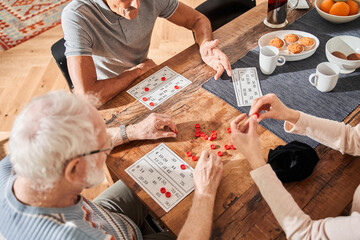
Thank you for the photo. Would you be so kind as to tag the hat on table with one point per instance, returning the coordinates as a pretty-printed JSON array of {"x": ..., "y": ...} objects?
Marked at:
[{"x": 292, "y": 162}]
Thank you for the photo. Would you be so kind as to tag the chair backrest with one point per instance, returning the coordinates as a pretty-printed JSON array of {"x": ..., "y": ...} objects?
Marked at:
[
  {"x": 220, "y": 12},
  {"x": 58, "y": 52}
]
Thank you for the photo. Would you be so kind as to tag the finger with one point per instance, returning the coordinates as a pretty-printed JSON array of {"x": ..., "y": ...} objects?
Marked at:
[
  {"x": 213, "y": 43},
  {"x": 234, "y": 124},
  {"x": 265, "y": 115},
  {"x": 164, "y": 135},
  {"x": 217, "y": 160},
  {"x": 219, "y": 71},
  {"x": 245, "y": 127},
  {"x": 162, "y": 124},
  {"x": 261, "y": 103},
  {"x": 219, "y": 165},
  {"x": 253, "y": 126},
  {"x": 226, "y": 64},
  {"x": 203, "y": 156}
]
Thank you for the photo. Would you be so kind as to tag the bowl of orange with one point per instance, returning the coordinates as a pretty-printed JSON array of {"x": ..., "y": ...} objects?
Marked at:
[{"x": 338, "y": 11}]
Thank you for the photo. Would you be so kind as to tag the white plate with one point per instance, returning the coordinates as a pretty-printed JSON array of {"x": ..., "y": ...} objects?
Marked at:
[{"x": 265, "y": 39}]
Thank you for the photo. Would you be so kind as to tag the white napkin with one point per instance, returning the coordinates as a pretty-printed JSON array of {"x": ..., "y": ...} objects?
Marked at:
[{"x": 302, "y": 4}]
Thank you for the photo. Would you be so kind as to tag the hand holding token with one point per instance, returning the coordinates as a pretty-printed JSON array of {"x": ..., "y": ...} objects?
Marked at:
[
  {"x": 246, "y": 139},
  {"x": 273, "y": 108},
  {"x": 215, "y": 58},
  {"x": 153, "y": 127},
  {"x": 207, "y": 174}
]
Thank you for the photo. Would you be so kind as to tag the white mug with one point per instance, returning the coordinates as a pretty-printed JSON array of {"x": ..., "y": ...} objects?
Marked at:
[
  {"x": 269, "y": 58},
  {"x": 326, "y": 76}
]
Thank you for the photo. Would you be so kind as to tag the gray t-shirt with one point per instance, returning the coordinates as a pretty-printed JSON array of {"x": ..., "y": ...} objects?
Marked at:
[{"x": 114, "y": 42}]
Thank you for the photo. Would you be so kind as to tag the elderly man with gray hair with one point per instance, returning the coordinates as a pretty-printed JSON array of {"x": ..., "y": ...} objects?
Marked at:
[{"x": 59, "y": 144}]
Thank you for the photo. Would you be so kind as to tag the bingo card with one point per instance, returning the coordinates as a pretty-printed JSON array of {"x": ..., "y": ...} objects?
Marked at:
[
  {"x": 158, "y": 87},
  {"x": 247, "y": 86},
  {"x": 164, "y": 176}
]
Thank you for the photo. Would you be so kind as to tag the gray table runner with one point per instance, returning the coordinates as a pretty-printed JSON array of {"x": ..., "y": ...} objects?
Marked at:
[{"x": 290, "y": 82}]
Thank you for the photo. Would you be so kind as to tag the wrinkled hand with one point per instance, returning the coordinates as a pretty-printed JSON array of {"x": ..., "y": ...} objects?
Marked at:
[
  {"x": 215, "y": 58},
  {"x": 153, "y": 127},
  {"x": 273, "y": 108},
  {"x": 246, "y": 139},
  {"x": 207, "y": 174},
  {"x": 146, "y": 65}
]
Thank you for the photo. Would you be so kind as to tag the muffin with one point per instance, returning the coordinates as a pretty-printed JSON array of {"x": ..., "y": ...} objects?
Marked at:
[
  {"x": 295, "y": 48},
  {"x": 307, "y": 42},
  {"x": 291, "y": 38},
  {"x": 339, "y": 55},
  {"x": 353, "y": 56},
  {"x": 276, "y": 42}
]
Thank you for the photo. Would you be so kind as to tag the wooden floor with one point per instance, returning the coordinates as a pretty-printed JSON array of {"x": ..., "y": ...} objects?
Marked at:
[{"x": 28, "y": 70}]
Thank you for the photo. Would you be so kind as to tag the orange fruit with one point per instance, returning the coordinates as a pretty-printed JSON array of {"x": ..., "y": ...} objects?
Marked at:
[
  {"x": 354, "y": 7},
  {"x": 340, "y": 9},
  {"x": 326, "y": 5}
]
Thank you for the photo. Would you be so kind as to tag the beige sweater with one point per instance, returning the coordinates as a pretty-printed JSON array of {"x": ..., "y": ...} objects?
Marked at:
[{"x": 295, "y": 223}]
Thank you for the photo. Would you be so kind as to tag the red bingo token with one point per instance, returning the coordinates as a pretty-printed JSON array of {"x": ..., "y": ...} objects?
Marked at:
[
  {"x": 163, "y": 79},
  {"x": 152, "y": 104},
  {"x": 219, "y": 153},
  {"x": 146, "y": 89},
  {"x": 194, "y": 158},
  {"x": 168, "y": 194},
  {"x": 197, "y": 125},
  {"x": 212, "y": 146},
  {"x": 182, "y": 166},
  {"x": 176, "y": 87},
  {"x": 162, "y": 190},
  {"x": 145, "y": 99},
  {"x": 227, "y": 147},
  {"x": 228, "y": 130},
  {"x": 188, "y": 154}
]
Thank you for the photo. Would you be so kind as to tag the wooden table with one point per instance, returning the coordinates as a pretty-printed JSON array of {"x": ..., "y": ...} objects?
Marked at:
[{"x": 240, "y": 211}]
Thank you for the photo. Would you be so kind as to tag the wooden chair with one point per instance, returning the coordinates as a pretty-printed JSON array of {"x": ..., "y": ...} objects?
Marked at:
[
  {"x": 58, "y": 52},
  {"x": 221, "y": 12}
]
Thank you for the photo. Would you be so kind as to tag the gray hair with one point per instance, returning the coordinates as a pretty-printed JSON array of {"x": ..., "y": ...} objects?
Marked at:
[{"x": 51, "y": 129}]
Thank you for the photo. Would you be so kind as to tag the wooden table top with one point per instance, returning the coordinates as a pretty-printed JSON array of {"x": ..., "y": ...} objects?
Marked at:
[{"x": 240, "y": 211}]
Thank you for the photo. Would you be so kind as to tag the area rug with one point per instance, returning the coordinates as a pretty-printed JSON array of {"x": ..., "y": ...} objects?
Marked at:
[{"x": 21, "y": 20}]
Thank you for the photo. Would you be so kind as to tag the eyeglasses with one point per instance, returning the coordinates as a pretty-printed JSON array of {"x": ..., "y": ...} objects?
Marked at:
[
  {"x": 106, "y": 150},
  {"x": 100, "y": 150}
]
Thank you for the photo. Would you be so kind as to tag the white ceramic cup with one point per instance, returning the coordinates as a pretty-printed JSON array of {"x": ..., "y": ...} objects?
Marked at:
[
  {"x": 269, "y": 59},
  {"x": 326, "y": 76}
]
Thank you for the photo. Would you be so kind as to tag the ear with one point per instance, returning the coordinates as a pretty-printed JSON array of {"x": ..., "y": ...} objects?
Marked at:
[{"x": 75, "y": 170}]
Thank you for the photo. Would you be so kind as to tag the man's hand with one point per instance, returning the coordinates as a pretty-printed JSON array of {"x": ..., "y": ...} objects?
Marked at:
[
  {"x": 215, "y": 58},
  {"x": 153, "y": 127},
  {"x": 207, "y": 174},
  {"x": 273, "y": 108},
  {"x": 146, "y": 65},
  {"x": 246, "y": 139}
]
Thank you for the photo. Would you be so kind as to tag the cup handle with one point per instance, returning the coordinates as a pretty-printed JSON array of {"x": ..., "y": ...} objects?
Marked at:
[
  {"x": 281, "y": 61},
  {"x": 313, "y": 79}
]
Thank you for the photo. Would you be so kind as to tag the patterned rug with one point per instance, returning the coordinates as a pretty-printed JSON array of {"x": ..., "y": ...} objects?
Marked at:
[{"x": 21, "y": 20}]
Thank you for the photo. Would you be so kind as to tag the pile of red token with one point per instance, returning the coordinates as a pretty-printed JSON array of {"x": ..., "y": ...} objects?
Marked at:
[{"x": 213, "y": 136}]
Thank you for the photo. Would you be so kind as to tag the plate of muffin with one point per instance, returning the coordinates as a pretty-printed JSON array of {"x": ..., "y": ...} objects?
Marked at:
[{"x": 293, "y": 45}]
